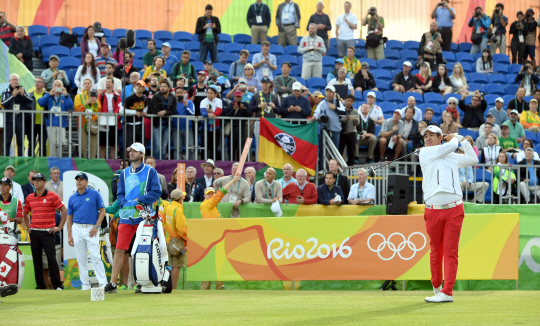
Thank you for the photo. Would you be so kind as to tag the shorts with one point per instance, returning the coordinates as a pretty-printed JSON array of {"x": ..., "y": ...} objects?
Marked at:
[
  {"x": 530, "y": 50},
  {"x": 58, "y": 249},
  {"x": 111, "y": 137},
  {"x": 126, "y": 232},
  {"x": 178, "y": 261}
]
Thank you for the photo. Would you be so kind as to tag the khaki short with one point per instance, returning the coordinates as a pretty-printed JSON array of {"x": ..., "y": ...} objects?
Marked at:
[
  {"x": 178, "y": 261},
  {"x": 58, "y": 249}
]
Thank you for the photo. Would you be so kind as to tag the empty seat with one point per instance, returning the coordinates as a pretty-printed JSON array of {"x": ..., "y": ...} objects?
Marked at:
[
  {"x": 228, "y": 58},
  {"x": 372, "y": 63},
  {"x": 234, "y": 48},
  {"x": 409, "y": 55},
  {"x": 276, "y": 49},
  {"x": 242, "y": 39},
  {"x": 163, "y": 35},
  {"x": 224, "y": 38},
  {"x": 495, "y": 89},
  {"x": 382, "y": 74},
  {"x": 388, "y": 107},
  {"x": 69, "y": 63},
  {"x": 293, "y": 50},
  {"x": 496, "y": 79},
  {"x": 177, "y": 46},
  {"x": 37, "y": 30},
  {"x": 193, "y": 46},
  {"x": 359, "y": 43},
  {"x": 514, "y": 68},
  {"x": 182, "y": 36},
  {"x": 317, "y": 83},
  {"x": 143, "y": 34},
  {"x": 511, "y": 89},
  {"x": 476, "y": 87},
  {"x": 411, "y": 45},
  {"x": 328, "y": 61},
  {"x": 393, "y": 44},
  {"x": 435, "y": 98},
  {"x": 501, "y": 58},
  {"x": 382, "y": 85},
  {"x": 287, "y": 58},
  {"x": 379, "y": 96},
  {"x": 478, "y": 78},
  {"x": 57, "y": 30},
  {"x": 449, "y": 56},
  {"x": 466, "y": 132},
  {"x": 222, "y": 67},
  {"x": 419, "y": 99},
  {"x": 500, "y": 68},
  {"x": 301, "y": 81},
  {"x": 511, "y": 79},
  {"x": 119, "y": 33},
  {"x": 464, "y": 47},
  {"x": 392, "y": 54},
  {"x": 252, "y": 48},
  {"x": 395, "y": 97},
  {"x": 273, "y": 39},
  {"x": 331, "y": 52},
  {"x": 76, "y": 53},
  {"x": 464, "y": 57}
]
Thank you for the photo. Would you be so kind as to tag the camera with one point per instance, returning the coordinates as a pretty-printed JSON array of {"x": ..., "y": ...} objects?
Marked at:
[
  {"x": 58, "y": 89},
  {"x": 477, "y": 14},
  {"x": 93, "y": 94},
  {"x": 525, "y": 68},
  {"x": 441, "y": 4},
  {"x": 372, "y": 12},
  {"x": 497, "y": 11},
  {"x": 528, "y": 15}
]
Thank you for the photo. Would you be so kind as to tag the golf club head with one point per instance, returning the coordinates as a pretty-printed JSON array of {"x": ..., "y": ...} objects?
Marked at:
[{"x": 371, "y": 172}]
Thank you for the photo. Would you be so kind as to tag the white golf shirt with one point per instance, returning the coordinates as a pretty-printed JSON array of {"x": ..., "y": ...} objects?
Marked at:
[{"x": 440, "y": 167}]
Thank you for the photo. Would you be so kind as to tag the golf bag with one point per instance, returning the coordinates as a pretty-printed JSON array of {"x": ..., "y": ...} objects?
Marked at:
[
  {"x": 11, "y": 258},
  {"x": 149, "y": 253}
]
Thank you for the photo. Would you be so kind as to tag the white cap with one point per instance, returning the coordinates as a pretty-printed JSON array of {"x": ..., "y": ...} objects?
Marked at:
[
  {"x": 372, "y": 94},
  {"x": 138, "y": 147},
  {"x": 433, "y": 129},
  {"x": 398, "y": 111},
  {"x": 296, "y": 86},
  {"x": 276, "y": 209},
  {"x": 332, "y": 88},
  {"x": 407, "y": 63},
  {"x": 499, "y": 99},
  {"x": 166, "y": 44},
  {"x": 514, "y": 111}
]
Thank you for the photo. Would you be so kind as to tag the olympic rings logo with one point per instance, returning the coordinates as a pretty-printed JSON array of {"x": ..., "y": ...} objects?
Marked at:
[{"x": 399, "y": 248}]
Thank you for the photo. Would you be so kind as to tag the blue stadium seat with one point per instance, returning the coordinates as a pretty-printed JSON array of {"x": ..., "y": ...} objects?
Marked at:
[
  {"x": 501, "y": 58},
  {"x": 71, "y": 76},
  {"x": 382, "y": 74},
  {"x": 453, "y": 47},
  {"x": 113, "y": 42},
  {"x": 37, "y": 30},
  {"x": 252, "y": 48},
  {"x": 291, "y": 59},
  {"x": 296, "y": 71},
  {"x": 222, "y": 67},
  {"x": 193, "y": 46},
  {"x": 79, "y": 30},
  {"x": 224, "y": 38},
  {"x": 532, "y": 136},
  {"x": 477, "y": 56},
  {"x": 514, "y": 68},
  {"x": 326, "y": 71},
  {"x": 143, "y": 34},
  {"x": 476, "y": 87},
  {"x": 328, "y": 61},
  {"x": 358, "y": 96},
  {"x": 119, "y": 33},
  {"x": 35, "y": 42},
  {"x": 139, "y": 53},
  {"x": 466, "y": 67},
  {"x": 419, "y": 99},
  {"x": 301, "y": 81},
  {"x": 59, "y": 50},
  {"x": 221, "y": 48},
  {"x": 317, "y": 83},
  {"x": 393, "y": 44},
  {"x": 198, "y": 65},
  {"x": 497, "y": 79},
  {"x": 138, "y": 64},
  {"x": 500, "y": 68},
  {"x": 359, "y": 53},
  {"x": 158, "y": 43},
  {"x": 76, "y": 53},
  {"x": 433, "y": 98},
  {"x": 386, "y": 64},
  {"x": 292, "y": 50},
  {"x": 490, "y": 98},
  {"x": 466, "y": 132},
  {"x": 48, "y": 41},
  {"x": 396, "y": 71},
  {"x": 449, "y": 56},
  {"x": 478, "y": 78},
  {"x": 511, "y": 89},
  {"x": 359, "y": 44},
  {"x": 379, "y": 95},
  {"x": 57, "y": 30},
  {"x": 333, "y": 42},
  {"x": 372, "y": 63},
  {"x": 106, "y": 32},
  {"x": 511, "y": 79},
  {"x": 69, "y": 63},
  {"x": 388, "y": 107},
  {"x": 409, "y": 55},
  {"x": 234, "y": 48},
  {"x": 272, "y": 40},
  {"x": 177, "y": 46},
  {"x": 298, "y": 39},
  {"x": 395, "y": 97},
  {"x": 276, "y": 49},
  {"x": 495, "y": 89},
  {"x": 392, "y": 54},
  {"x": 412, "y": 45},
  {"x": 528, "y": 98},
  {"x": 227, "y": 58},
  {"x": 331, "y": 52},
  {"x": 163, "y": 36},
  {"x": 508, "y": 98},
  {"x": 300, "y": 60},
  {"x": 464, "y": 57},
  {"x": 464, "y": 47},
  {"x": 242, "y": 39},
  {"x": 383, "y": 85},
  {"x": 182, "y": 36},
  {"x": 436, "y": 109}
]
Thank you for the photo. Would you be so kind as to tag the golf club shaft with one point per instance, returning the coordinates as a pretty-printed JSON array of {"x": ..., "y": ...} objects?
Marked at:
[{"x": 382, "y": 166}]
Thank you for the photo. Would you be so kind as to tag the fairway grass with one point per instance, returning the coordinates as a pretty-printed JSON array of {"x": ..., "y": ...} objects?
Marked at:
[{"x": 232, "y": 307}]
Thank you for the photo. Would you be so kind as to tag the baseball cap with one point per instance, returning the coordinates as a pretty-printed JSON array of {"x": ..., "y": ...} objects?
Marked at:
[
  {"x": 296, "y": 86},
  {"x": 39, "y": 176},
  {"x": 365, "y": 64},
  {"x": 106, "y": 45},
  {"x": 238, "y": 93},
  {"x": 514, "y": 111},
  {"x": 214, "y": 87},
  {"x": 339, "y": 60},
  {"x": 398, "y": 111},
  {"x": 177, "y": 194},
  {"x": 208, "y": 61},
  {"x": 140, "y": 82},
  {"x": 265, "y": 80},
  {"x": 81, "y": 175},
  {"x": 499, "y": 99},
  {"x": 209, "y": 189},
  {"x": 242, "y": 80},
  {"x": 530, "y": 10},
  {"x": 202, "y": 72},
  {"x": 433, "y": 129},
  {"x": 166, "y": 44},
  {"x": 116, "y": 175},
  {"x": 407, "y": 63},
  {"x": 6, "y": 181},
  {"x": 533, "y": 100},
  {"x": 138, "y": 147},
  {"x": 330, "y": 87},
  {"x": 489, "y": 115},
  {"x": 10, "y": 167},
  {"x": 54, "y": 56},
  {"x": 372, "y": 94}
]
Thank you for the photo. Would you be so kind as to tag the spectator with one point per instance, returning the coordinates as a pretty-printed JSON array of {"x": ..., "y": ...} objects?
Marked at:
[
  {"x": 428, "y": 118},
  {"x": 346, "y": 24},
  {"x": 288, "y": 21},
  {"x": 375, "y": 111},
  {"x": 129, "y": 70},
  {"x": 156, "y": 69},
  {"x": 171, "y": 186},
  {"x": 449, "y": 126},
  {"x": 284, "y": 82},
  {"x": 418, "y": 140},
  {"x": 342, "y": 84},
  {"x": 295, "y": 106},
  {"x": 197, "y": 93},
  {"x": 323, "y": 23},
  {"x": 489, "y": 144},
  {"x": 471, "y": 141},
  {"x": 110, "y": 103},
  {"x": 458, "y": 79},
  {"x": 43, "y": 206},
  {"x": 348, "y": 130},
  {"x": 182, "y": 132},
  {"x": 452, "y": 109},
  {"x": 208, "y": 27},
  {"x": 496, "y": 129},
  {"x": 242, "y": 87},
  {"x": 509, "y": 144},
  {"x": 250, "y": 177},
  {"x": 264, "y": 62},
  {"x": 87, "y": 125},
  {"x": 411, "y": 103},
  {"x": 351, "y": 63},
  {"x": 16, "y": 190},
  {"x": 518, "y": 156},
  {"x": 519, "y": 31},
  {"x": 148, "y": 57},
  {"x": 22, "y": 47},
  {"x": 7, "y": 29},
  {"x": 90, "y": 44},
  {"x": 175, "y": 225},
  {"x": 166, "y": 53},
  {"x": 339, "y": 179},
  {"x": 53, "y": 73},
  {"x": 109, "y": 70},
  {"x": 208, "y": 67},
  {"x": 536, "y": 95},
  {"x": 444, "y": 16},
  {"x": 253, "y": 83},
  {"x": 195, "y": 190},
  {"x": 468, "y": 184},
  {"x": 184, "y": 69},
  {"x": 104, "y": 59},
  {"x": 518, "y": 103},
  {"x": 423, "y": 77},
  {"x": 11, "y": 206},
  {"x": 473, "y": 116},
  {"x": 364, "y": 80},
  {"x": 530, "y": 175},
  {"x": 56, "y": 100},
  {"x": 430, "y": 49},
  {"x": 163, "y": 104},
  {"x": 480, "y": 22},
  {"x": 258, "y": 19},
  {"x": 312, "y": 48},
  {"x": 363, "y": 191},
  {"x": 374, "y": 38},
  {"x": 482, "y": 139},
  {"x": 151, "y": 161},
  {"x": 441, "y": 82},
  {"x": 530, "y": 120},
  {"x": 484, "y": 64},
  {"x": 15, "y": 97},
  {"x": 236, "y": 71},
  {"x": 500, "y": 187},
  {"x": 366, "y": 132},
  {"x": 530, "y": 38},
  {"x": 212, "y": 107},
  {"x": 527, "y": 78},
  {"x": 404, "y": 81},
  {"x": 85, "y": 71},
  {"x": 333, "y": 74},
  {"x": 391, "y": 136},
  {"x": 498, "y": 113},
  {"x": 38, "y": 129},
  {"x": 327, "y": 193},
  {"x": 85, "y": 213},
  {"x": 238, "y": 129},
  {"x": 287, "y": 176},
  {"x": 268, "y": 190},
  {"x": 314, "y": 99},
  {"x": 499, "y": 21},
  {"x": 301, "y": 191},
  {"x": 264, "y": 103},
  {"x": 410, "y": 127},
  {"x": 220, "y": 82}
]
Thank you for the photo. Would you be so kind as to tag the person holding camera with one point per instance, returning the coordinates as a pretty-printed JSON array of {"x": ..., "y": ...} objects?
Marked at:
[
  {"x": 527, "y": 78},
  {"x": 444, "y": 16},
  {"x": 391, "y": 136},
  {"x": 87, "y": 125},
  {"x": 7, "y": 29},
  {"x": 15, "y": 97},
  {"x": 480, "y": 22},
  {"x": 519, "y": 30},
  {"x": 498, "y": 30},
  {"x": 530, "y": 38},
  {"x": 374, "y": 39},
  {"x": 430, "y": 49}
]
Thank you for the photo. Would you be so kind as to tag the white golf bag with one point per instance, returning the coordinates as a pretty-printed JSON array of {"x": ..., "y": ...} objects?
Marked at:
[
  {"x": 11, "y": 258},
  {"x": 149, "y": 254}
]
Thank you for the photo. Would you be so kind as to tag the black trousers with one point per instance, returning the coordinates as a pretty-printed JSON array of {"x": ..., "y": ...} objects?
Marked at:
[
  {"x": 39, "y": 136},
  {"x": 446, "y": 34},
  {"x": 43, "y": 240},
  {"x": 134, "y": 134},
  {"x": 212, "y": 143},
  {"x": 11, "y": 130},
  {"x": 518, "y": 50},
  {"x": 348, "y": 140},
  {"x": 237, "y": 140}
]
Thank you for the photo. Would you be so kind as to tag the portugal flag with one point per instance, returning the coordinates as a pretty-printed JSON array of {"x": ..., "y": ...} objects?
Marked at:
[{"x": 281, "y": 142}]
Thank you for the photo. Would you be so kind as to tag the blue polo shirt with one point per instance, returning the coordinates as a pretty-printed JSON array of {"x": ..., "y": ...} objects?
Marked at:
[
  {"x": 85, "y": 207},
  {"x": 443, "y": 17}
]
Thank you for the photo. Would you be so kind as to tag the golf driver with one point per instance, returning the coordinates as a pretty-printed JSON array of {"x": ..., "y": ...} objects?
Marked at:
[{"x": 371, "y": 169}]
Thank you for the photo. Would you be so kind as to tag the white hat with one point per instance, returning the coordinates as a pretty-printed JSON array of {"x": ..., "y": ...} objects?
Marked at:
[
  {"x": 138, "y": 147},
  {"x": 433, "y": 129},
  {"x": 332, "y": 88},
  {"x": 208, "y": 162},
  {"x": 407, "y": 63},
  {"x": 296, "y": 86},
  {"x": 276, "y": 209},
  {"x": 166, "y": 44},
  {"x": 499, "y": 99},
  {"x": 398, "y": 111},
  {"x": 372, "y": 94},
  {"x": 514, "y": 111}
]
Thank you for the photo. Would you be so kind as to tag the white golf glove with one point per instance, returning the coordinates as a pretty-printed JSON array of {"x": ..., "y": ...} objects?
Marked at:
[{"x": 459, "y": 137}]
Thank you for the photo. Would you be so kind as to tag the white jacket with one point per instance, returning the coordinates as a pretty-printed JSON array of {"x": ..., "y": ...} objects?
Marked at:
[{"x": 440, "y": 167}]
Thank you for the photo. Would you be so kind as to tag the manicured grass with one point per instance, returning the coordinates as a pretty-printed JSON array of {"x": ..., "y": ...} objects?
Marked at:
[{"x": 229, "y": 307}]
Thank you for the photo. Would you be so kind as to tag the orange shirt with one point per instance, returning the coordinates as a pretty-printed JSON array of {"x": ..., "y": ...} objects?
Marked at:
[
  {"x": 208, "y": 207},
  {"x": 174, "y": 222}
]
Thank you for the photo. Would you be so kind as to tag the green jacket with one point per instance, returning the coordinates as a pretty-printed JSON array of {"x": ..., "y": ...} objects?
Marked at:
[
  {"x": 505, "y": 173},
  {"x": 113, "y": 209}
]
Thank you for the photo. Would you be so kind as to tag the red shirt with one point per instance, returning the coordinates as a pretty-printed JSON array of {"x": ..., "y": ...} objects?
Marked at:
[
  {"x": 43, "y": 209},
  {"x": 309, "y": 193},
  {"x": 6, "y": 34}
]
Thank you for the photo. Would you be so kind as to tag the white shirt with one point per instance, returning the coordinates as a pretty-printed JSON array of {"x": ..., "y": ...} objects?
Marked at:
[
  {"x": 80, "y": 78},
  {"x": 93, "y": 48},
  {"x": 368, "y": 192},
  {"x": 521, "y": 156},
  {"x": 208, "y": 181},
  {"x": 345, "y": 31},
  {"x": 440, "y": 167},
  {"x": 417, "y": 113},
  {"x": 16, "y": 191},
  {"x": 117, "y": 84},
  {"x": 375, "y": 112},
  {"x": 347, "y": 82}
]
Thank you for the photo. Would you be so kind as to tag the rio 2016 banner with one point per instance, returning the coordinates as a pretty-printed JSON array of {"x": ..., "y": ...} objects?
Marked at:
[{"x": 345, "y": 248}]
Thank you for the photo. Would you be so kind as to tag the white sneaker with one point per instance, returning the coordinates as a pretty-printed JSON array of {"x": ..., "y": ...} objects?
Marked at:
[
  {"x": 440, "y": 297},
  {"x": 437, "y": 290},
  {"x": 59, "y": 289}
]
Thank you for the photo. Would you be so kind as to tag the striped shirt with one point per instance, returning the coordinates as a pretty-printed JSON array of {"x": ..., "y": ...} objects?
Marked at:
[
  {"x": 6, "y": 34},
  {"x": 43, "y": 209}
]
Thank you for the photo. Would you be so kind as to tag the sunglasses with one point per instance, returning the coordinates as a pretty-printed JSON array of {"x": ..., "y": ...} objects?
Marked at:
[
  {"x": 216, "y": 173},
  {"x": 452, "y": 103}
]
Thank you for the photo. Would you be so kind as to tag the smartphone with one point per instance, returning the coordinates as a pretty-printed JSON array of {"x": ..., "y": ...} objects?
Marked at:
[
  {"x": 58, "y": 90},
  {"x": 93, "y": 94}
]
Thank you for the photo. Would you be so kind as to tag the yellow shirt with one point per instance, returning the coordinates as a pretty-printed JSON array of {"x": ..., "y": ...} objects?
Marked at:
[
  {"x": 37, "y": 119},
  {"x": 528, "y": 119},
  {"x": 80, "y": 106},
  {"x": 174, "y": 223},
  {"x": 208, "y": 207},
  {"x": 150, "y": 70},
  {"x": 352, "y": 66}
]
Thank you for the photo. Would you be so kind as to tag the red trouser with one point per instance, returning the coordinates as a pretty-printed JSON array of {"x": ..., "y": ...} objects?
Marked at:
[{"x": 444, "y": 229}]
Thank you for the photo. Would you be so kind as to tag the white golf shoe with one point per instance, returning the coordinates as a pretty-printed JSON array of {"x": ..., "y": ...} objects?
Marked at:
[
  {"x": 439, "y": 297},
  {"x": 437, "y": 290}
]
